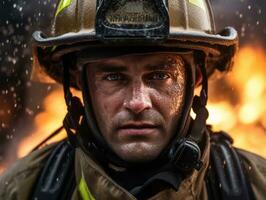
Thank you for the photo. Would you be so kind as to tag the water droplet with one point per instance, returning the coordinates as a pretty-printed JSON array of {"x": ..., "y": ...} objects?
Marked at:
[
  {"x": 29, "y": 111},
  {"x": 224, "y": 162}
]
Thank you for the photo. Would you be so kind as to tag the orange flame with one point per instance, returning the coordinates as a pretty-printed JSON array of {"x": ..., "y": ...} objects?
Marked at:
[
  {"x": 245, "y": 121},
  {"x": 46, "y": 122}
]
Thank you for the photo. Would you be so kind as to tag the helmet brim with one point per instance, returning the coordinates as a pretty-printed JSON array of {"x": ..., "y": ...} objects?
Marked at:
[{"x": 220, "y": 48}]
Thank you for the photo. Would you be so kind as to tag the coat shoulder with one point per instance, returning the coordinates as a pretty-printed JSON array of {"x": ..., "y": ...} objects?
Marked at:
[
  {"x": 17, "y": 182},
  {"x": 255, "y": 166}
]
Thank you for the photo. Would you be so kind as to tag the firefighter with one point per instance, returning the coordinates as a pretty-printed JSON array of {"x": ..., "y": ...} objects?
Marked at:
[{"x": 137, "y": 64}]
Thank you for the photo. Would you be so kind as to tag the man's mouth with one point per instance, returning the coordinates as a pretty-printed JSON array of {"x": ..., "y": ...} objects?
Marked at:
[{"x": 137, "y": 128}]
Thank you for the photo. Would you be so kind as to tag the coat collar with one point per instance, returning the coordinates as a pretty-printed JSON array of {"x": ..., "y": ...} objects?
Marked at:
[{"x": 101, "y": 186}]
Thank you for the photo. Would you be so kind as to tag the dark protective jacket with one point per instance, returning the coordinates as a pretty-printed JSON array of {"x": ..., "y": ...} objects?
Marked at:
[{"x": 18, "y": 182}]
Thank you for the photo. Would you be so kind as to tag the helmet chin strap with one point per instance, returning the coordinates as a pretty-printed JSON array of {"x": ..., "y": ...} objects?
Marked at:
[
  {"x": 88, "y": 138},
  {"x": 184, "y": 153}
]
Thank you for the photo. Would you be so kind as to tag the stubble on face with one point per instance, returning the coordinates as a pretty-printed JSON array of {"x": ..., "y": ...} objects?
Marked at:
[{"x": 137, "y": 100}]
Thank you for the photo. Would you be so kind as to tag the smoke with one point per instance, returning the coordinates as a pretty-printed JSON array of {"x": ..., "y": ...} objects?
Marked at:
[
  {"x": 245, "y": 15},
  {"x": 19, "y": 99}
]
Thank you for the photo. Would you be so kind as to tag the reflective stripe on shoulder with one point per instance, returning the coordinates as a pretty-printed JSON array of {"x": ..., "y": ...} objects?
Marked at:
[
  {"x": 198, "y": 3},
  {"x": 84, "y": 190},
  {"x": 62, "y": 5}
]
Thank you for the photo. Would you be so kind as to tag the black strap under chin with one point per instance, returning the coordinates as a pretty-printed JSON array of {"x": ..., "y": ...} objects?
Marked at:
[
  {"x": 185, "y": 153},
  {"x": 226, "y": 178}
]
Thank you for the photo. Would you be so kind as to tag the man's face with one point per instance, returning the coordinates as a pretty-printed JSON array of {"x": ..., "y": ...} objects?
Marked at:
[{"x": 137, "y": 101}]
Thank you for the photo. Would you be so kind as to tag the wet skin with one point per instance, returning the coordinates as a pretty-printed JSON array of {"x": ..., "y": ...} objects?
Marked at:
[{"x": 137, "y": 101}]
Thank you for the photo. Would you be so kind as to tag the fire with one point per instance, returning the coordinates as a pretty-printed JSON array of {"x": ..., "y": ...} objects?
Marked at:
[
  {"x": 46, "y": 122},
  {"x": 244, "y": 120},
  {"x": 254, "y": 88},
  {"x": 219, "y": 113}
]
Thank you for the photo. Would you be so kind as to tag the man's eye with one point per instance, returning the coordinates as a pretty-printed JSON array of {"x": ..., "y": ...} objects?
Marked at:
[
  {"x": 114, "y": 77},
  {"x": 159, "y": 76}
]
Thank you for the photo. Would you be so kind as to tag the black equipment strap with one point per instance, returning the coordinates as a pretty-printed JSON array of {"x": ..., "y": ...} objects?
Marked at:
[
  {"x": 57, "y": 179},
  {"x": 226, "y": 178}
]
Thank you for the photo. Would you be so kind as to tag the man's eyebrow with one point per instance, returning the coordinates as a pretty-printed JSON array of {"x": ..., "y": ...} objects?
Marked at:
[
  {"x": 110, "y": 68},
  {"x": 163, "y": 65}
]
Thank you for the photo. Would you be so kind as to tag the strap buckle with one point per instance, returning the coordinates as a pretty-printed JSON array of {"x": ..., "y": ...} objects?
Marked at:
[{"x": 186, "y": 155}]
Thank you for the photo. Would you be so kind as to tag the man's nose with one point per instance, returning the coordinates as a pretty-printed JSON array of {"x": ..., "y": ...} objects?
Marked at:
[{"x": 138, "y": 98}]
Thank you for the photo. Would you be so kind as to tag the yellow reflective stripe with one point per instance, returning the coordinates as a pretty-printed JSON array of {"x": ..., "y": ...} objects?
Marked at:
[
  {"x": 53, "y": 48},
  {"x": 62, "y": 5},
  {"x": 198, "y": 3},
  {"x": 84, "y": 190}
]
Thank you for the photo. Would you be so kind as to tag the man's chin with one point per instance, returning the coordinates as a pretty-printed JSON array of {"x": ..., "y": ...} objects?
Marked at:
[{"x": 138, "y": 152}]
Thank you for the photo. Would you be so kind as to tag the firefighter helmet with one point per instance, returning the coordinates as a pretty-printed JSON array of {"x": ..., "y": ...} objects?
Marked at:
[{"x": 98, "y": 24}]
